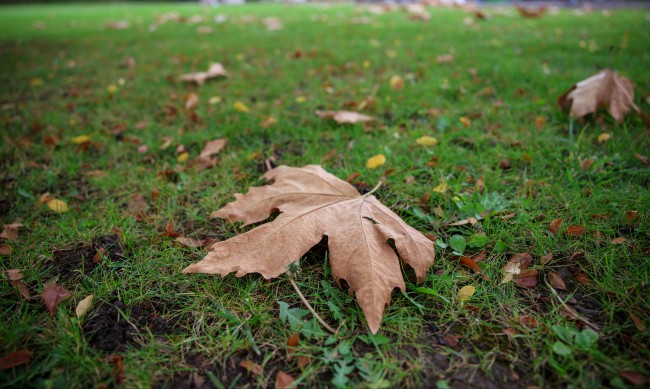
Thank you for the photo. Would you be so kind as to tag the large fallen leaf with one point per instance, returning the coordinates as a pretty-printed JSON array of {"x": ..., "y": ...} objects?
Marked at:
[
  {"x": 314, "y": 203},
  {"x": 606, "y": 89},
  {"x": 215, "y": 70},
  {"x": 344, "y": 117}
]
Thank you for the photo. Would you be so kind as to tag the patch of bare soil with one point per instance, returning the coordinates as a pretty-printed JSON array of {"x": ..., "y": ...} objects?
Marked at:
[
  {"x": 109, "y": 330},
  {"x": 82, "y": 258}
]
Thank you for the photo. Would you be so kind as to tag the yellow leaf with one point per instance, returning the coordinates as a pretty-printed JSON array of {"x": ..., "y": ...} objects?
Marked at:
[
  {"x": 396, "y": 83},
  {"x": 427, "y": 140},
  {"x": 300, "y": 99},
  {"x": 182, "y": 157},
  {"x": 604, "y": 137},
  {"x": 466, "y": 292},
  {"x": 442, "y": 188},
  {"x": 376, "y": 161},
  {"x": 84, "y": 306},
  {"x": 36, "y": 82},
  {"x": 241, "y": 107},
  {"x": 366, "y": 64},
  {"x": 80, "y": 139},
  {"x": 214, "y": 100},
  {"x": 112, "y": 88},
  {"x": 57, "y": 206},
  {"x": 465, "y": 120}
]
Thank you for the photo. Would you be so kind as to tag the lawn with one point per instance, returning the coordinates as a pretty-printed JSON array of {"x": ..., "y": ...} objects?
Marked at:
[{"x": 97, "y": 117}]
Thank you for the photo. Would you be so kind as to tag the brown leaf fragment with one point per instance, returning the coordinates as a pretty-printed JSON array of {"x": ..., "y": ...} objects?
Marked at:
[
  {"x": 251, "y": 367},
  {"x": 619, "y": 240},
  {"x": 471, "y": 263},
  {"x": 582, "y": 278},
  {"x": 638, "y": 323},
  {"x": 5, "y": 250},
  {"x": 53, "y": 295},
  {"x": 556, "y": 281},
  {"x": 531, "y": 13},
  {"x": 189, "y": 242},
  {"x": 344, "y": 117},
  {"x": 633, "y": 377},
  {"x": 10, "y": 231},
  {"x": 546, "y": 258},
  {"x": 526, "y": 279},
  {"x": 554, "y": 227},
  {"x": 22, "y": 288},
  {"x": 213, "y": 147},
  {"x": 632, "y": 216},
  {"x": 101, "y": 252},
  {"x": 292, "y": 343},
  {"x": 314, "y": 203},
  {"x": 303, "y": 361},
  {"x": 283, "y": 380},
  {"x": 575, "y": 230},
  {"x": 606, "y": 89},
  {"x": 445, "y": 58},
  {"x": 14, "y": 275},
  {"x": 15, "y": 358},
  {"x": 528, "y": 321},
  {"x": 118, "y": 369},
  {"x": 215, "y": 70},
  {"x": 451, "y": 340}
]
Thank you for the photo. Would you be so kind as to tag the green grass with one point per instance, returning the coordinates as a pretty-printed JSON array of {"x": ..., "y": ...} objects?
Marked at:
[{"x": 528, "y": 63}]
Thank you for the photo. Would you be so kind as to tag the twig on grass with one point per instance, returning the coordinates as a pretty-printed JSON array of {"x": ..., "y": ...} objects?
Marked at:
[{"x": 309, "y": 307}]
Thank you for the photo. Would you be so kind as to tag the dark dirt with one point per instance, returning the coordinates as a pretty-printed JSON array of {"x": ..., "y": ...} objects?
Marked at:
[
  {"x": 109, "y": 330},
  {"x": 84, "y": 257},
  {"x": 231, "y": 374},
  {"x": 465, "y": 372}
]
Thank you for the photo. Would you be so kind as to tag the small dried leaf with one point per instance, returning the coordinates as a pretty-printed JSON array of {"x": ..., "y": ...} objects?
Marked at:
[
  {"x": 292, "y": 343},
  {"x": 575, "y": 230},
  {"x": 22, "y": 288},
  {"x": 604, "y": 137},
  {"x": 470, "y": 263},
  {"x": 526, "y": 278},
  {"x": 344, "y": 117},
  {"x": 632, "y": 216},
  {"x": 466, "y": 292},
  {"x": 375, "y": 161},
  {"x": 5, "y": 250},
  {"x": 241, "y": 107},
  {"x": 555, "y": 226},
  {"x": 57, "y": 206},
  {"x": 619, "y": 240},
  {"x": 451, "y": 340},
  {"x": 215, "y": 70},
  {"x": 283, "y": 380},
  {"x": 14, "y": 275},
  {"x": 53, "y": 295},
  {"x": 213, "y": 147},
  {"x": 638, "y": 323},
  {"x": 251, "y": 367},
  {"x": 546, "y": 258},
  {"x": 556, "y": 281},
  {"x": 528, "y": 321},
  {"x": 81, "y": 139},
  {"x": 427, "y": 141},
  {"x": 84, "y": 305},
  {"x": 582, "y": 278},
  {"x": 633, "y": 377},
  {"x": 189, "y": 242},
  {"x": 396, "y": 83},
  {"x": 15, "y": 358}
]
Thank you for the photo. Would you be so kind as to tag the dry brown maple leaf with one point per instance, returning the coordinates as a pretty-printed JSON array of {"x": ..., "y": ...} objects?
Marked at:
[
  {"x": 344, "y": 117},
  {"x": 606, "y": 89},
  {"x": 215, "y": 70},
  {"x": 314, "y": 203}
]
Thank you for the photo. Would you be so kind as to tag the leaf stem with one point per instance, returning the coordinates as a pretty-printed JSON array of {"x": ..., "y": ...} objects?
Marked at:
[
  {"x": 379, "y": 184},
  {"x": 309, "y": 307}
]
